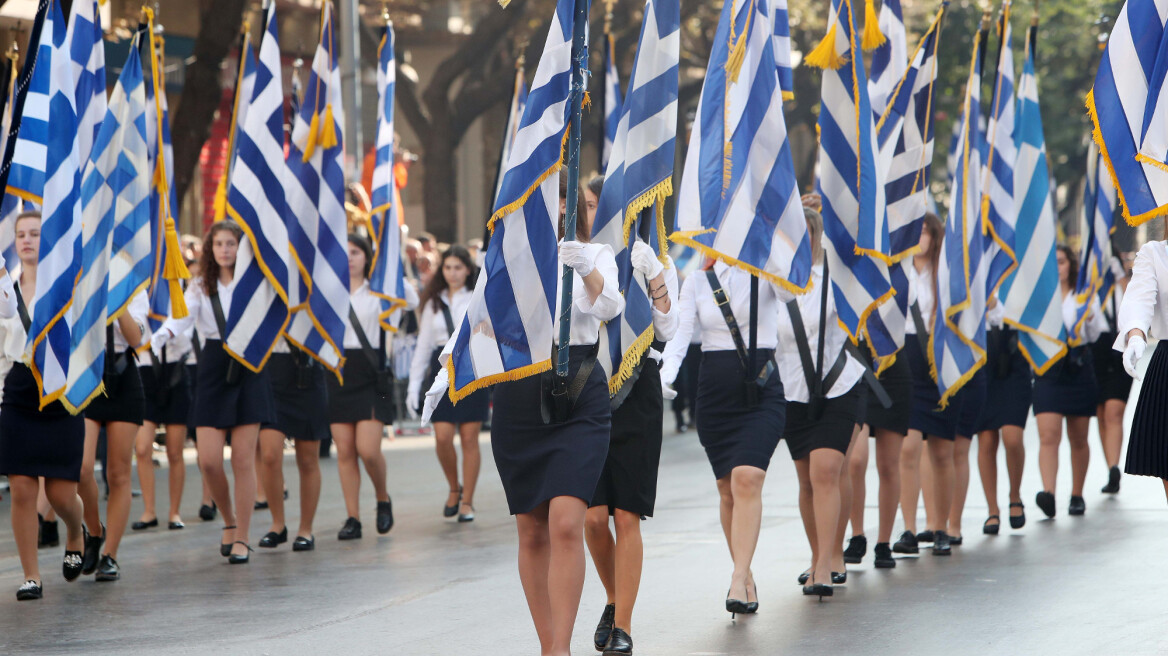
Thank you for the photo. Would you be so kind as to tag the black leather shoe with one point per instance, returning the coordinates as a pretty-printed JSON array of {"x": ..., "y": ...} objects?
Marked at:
[
  {"x": 304, "y": 544},
  {"x": 351, "y": 530},
  {"x": 225, "y": 549},
  {"x": 1112, "y": 486},
  {"x": 1020, "y": 520},
  {"x": 884, "y": 559},
  {"x": 451, "y": 511},
  {"x": 207, "y": 513},
  {"x": 384, "y": 516},
  {"x": 92, "y": 552},
  {"x": 1077, "y": 507},
  {"x": 857, "y": 549},
  {"x": 107, "y": 570},
  {"x": 992, "y": 524},
  {"x": 1045, "y": 501},
  {"x": 604, "y": 627},
  {"x": 804, "y": 577},
  {"x": 955, "y": 540},
  {"x": 28, "y": 591},
  {"x": 839, "y": 578},
  {"x": 274, "y": 539},
  {"x": 926, "y": 536},
  {"x": 175, "y": 526},
  {"x": 240, "y": 560},
  {"x": 735, "y": 607},
  {"x": 260, "y": 505},
  {"x": 142, "y": 526},
  {"x": 907, "y": 544},
  {"x": 941, "y": 544},
  {"x": 50, "y": 535},
  {"x": 820, "y": 590},
  {"x": 71, "y": 567},
  {"x": 618, "y": 643}
]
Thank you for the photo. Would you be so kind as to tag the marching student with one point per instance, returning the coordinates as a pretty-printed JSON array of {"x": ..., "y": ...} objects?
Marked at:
[
  {"x": 1141, "y": 317},
  {"x": 119, "y": 411},
  {"x": 444, "y": 302},
  {"x": 229, "y": 398},
  {"x": 970, "y": 399},
  {"x": 35, "y": 442},
  {"x": 1114, "y": 383},
  {"x": 1068, "y": 390},
  {"x": 193, "y": 255}
]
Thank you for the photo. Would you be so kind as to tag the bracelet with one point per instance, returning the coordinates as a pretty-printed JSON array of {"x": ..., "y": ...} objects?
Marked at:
[
  {"x": 654, "y": 290},
  {"x": 658, "y": 298}
]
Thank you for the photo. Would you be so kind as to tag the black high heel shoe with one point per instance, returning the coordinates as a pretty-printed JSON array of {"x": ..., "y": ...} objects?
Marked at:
[
  {"x": 820, "y": 590},
  {"x": 735, "y": 606},
  {"x": 240, "y": 560},
  {"x": 225, "y": 549},
  {"x": 752, "y": 606},
  {"x": 1020, "y": 520},
  {"x": 804, "y": 577}
]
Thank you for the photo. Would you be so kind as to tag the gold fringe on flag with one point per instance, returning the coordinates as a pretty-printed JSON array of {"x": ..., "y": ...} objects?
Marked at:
[
  {"x": 873, "y": 37},
  {"x": 737, "y": 44}
]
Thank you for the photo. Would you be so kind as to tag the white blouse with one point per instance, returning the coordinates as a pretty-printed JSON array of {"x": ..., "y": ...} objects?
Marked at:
[
  {"x": 791, "y": 363},
  {"x": 432, "y": 333},
  {"x": 1095, "y": 325},
  {"x": 367, "y": 307},
  {"x": 920, "y": 291},
  {"x": 665, "y": 324},
  {"x": 1147, "y": 289},
  {"x": 201, "y": 315},
  {"x": 138, "y": 308},
  {"x": 588, "y": 315}
]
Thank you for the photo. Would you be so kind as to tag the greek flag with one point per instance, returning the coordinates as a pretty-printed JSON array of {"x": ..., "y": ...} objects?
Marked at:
[
  {"x": 244, "y": 85},
  {"x": 890, "y": 60},
  {"x": 10, "y": 206},
  {"x": 957, "y": 345},
  {"x": 638, "y": 178},
  {"x": 518, "y": 102},
  {"x": 1128, "y": 106},
  {"x": 507, "y": 331},
  {"x": 782, "y": 46},
  {"x": 1095, "y": 277},
  {"x": 612, "y": 101},
  {"x": 87, "y": 51},
  {"x": 388, "y": 281},
  {"x": 855, "y": 221},
  {"x": 115, "y": 207},
  {"x": 998, "y": 214},
  {"x": 255, "y": 200},
  {"x": 45, "y": 170},
  {"x": 739, "y": 201},
  {"x": 158, "y": 291},
  {"x": 317, "y": 223},
  {"x": 1031, "y": 295}
]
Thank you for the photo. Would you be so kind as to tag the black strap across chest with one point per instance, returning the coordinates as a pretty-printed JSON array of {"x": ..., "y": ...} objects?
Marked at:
[
  {"x": 376, "y": 358},
  {"x": 818, "y": 384},
  {"x": 722, "y": 300}
]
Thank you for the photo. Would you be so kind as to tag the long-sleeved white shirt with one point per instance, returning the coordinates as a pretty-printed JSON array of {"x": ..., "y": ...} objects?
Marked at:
[
  {"x": 367, "y": 307},
  {"x": 665, "y": 323},
  {"x": 698, "y": 312},
  {"x": 1147, "y": 289},
  {"x": 588, "y": 315},
  {"x": 433, "y": 333},
  {"x": 920, "y": 291},
  {"x": 1095, "y": 325},
  {"x": 791, "y": 363},
  {"x": 201, "y": 314},
  {"x": 138, "y": 308}
]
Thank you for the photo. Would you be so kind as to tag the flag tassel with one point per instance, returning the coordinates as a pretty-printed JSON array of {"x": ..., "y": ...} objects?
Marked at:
[
  {"x": 825, "y": 55},
  {"x": 873, "y": 38},
  {"x": 310, "y": 144},
  {"x": 175, "y": 269},
  {"x": 328, "y": 131}
]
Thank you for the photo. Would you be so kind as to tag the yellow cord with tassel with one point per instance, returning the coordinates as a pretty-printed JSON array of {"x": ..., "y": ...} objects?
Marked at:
[
  {"x": 310, "y": 145},
  {"x": 873, "y": 37},
  {"x": 737, "y": 53},
  {"x": 174, "y": 270},
  {"x": 328, "y": 131},
  {"x": 824, "y": 55}
]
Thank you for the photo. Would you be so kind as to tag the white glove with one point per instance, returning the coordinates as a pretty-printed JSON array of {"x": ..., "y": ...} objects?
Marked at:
[
  {"x": 667, "y": 392},
  {"x": 1132, "y": 354},
  {"x": 575, "y": 254},
  {"x": 441, "y": 384},
  {"x": 158, "y": 340},
  {"x": 412, "y": 403},
  {"x": 645, "y": 260}
]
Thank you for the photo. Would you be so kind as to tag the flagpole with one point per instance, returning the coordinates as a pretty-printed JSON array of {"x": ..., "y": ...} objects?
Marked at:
[
  {"x": 604, "y": 87},
  {"x": 575, "y": 99}
]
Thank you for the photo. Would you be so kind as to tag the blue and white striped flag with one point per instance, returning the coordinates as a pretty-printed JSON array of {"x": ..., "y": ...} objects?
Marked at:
[
  {"x": 115, "y": 207},
  {"x": 612, "y": 100},
  {"x": 890, "y": 60},
  {"x": 781, "y": 22},
  {"x": 1128, "y": 106},
  {"x": 317, "y": 222},
  {"x": 514, "y": 116},
  {"x": 45, "y": 170},
  {"x": 1031, "y": 295},
  {"x": 255, "y": 199},
  {"x": 638, "y": 178},
  {"x": 158, "y": 119},
  {"x": 1098, "y": 223},
  {"x": 739, "y": 202},
  {"x": 507, "y": 331},
  {"x": 244, "y": 85},
  {"x": 855, "y": 215},
  {"x": 87, "y": 52},
  {"x": 10, "y": 205},
  {"x": 388, "y": 281},
  {"x": 957, "y": 345},
  {"x": 998, "y": 213}
]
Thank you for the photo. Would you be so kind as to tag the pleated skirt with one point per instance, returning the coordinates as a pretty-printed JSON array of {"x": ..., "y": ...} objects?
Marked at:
[
  {"x": 35, "y": 442},
  {"x": 1008, "y": 390},
  {"x": 1068, "y": 388},
  {"x": 629, "y": 479},
  {"x": 1147, "y": 449},
  {"x": 926, "y": 415},
  {"x": 733, "y": 434},
  {"x": 301, "y": 407},
  {"x": 1114, "y": 383}
]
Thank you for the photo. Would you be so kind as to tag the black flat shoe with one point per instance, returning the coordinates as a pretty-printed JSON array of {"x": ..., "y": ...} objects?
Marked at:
[
  {"x": 274, "y": 539},
  {"x": 1045, "y": 502},
  {"x": 240, "y": 560},
  {"x": 71, "y": 567},
  {"x": 50, "y": 536},
  {"x": 451, "y": 511},
  {"x": 955, "y": 540},
  {"x": 207, "y": 513},
  {"x": 175, "y": 526},
  {"x": 926, "y": 536},
  {"x": 304, "y": 544},
  {"x": 618, "y": 643},
  {"x": 604, "y": 627},
  {"x": 857, "y": 549},
  {"x": 804, "y": 577},
  {"x": 883, "y": 554},
  {"x": 941, "y": 544},
  {"x": 1112, "y": 486},
  {"x": 820, "y": 590},
  {"x": 385, "y": 516},
  {"x": 466, "y": 517},
  {"x": 351, "y": 530},
  {"x": 225, "y": 549},
  {"x": 260, "y": 505},
  {"x": 1077, "y": 507},
  {"x": 28, "y": 591},
  {"x": 92, "y": 552},
  {"x": 907, "y": 544},
  {"x": 108, "y": 570},
  {"x": 1020, "y": 520},
  {"x": 142, "y": 526},
  {"x": 991, "y": 529},
  {"x": 839, "y": 578}
]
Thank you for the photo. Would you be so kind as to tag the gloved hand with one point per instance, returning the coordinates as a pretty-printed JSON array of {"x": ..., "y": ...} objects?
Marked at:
[
  {"x": 412, "y": 404},
  {"x": 645, "y": 260},
  {"x": 667, "y": 391},
  {"x": 441, "y": 384},
  {"x": 158, "y": 340},
  {"x": 575, "y": 254},
  {"x": 1136, "y": 346}
]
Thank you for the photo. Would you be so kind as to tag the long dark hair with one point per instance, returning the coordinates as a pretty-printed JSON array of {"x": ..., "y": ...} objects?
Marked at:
[
  {"x": 210, "y": 268},
  {"x": 361, "y": 242},
  {"x": 1073, "y": 264},
  {"x": 582, "y": 227},
  {"x": 437, "y": 285}
]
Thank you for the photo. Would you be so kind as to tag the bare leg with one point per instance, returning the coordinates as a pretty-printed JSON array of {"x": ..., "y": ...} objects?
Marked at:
[
  {"x": 1015, "y": 462},
  {"x": 272, "y": 477},
  {"x": 534, "y": 556},
  {"x": 345, "y": 439},
  {"x": 826, "y": 467},
  {"x": 144, "y": 454},
  {"x": 746, "y": 485},
  {"x": 910, "y": 479},
  {"x": 308, "y": 464},
  {"x": 845, "y": 487},
  {"x": 25, "y": 523},
  {"x": 119, "y": 462},
  {"x": 630, "y": 553},
  {"x": 1050, "y": 434},
  {"x": 1112, "y": 430},
  {"x": 210, "y": 447},
  {"x": 447, "y": 458},
  {"x": 941, "y": 457},
  {"x": 987, "y": 468},
  {"x": 87, "y": 485},
  {"x": 602, "y": 548},
  {"x": 857, "y": 471},
  {"x": 888, "y": 469},
  {"x": 1080, "y": 452},
  {"x": 928, "y": 486},
  {"x": 244, "y": 444},
  {"x": 176, "y": 437},
  {"x": 472, "y": 462},
  {"x": 261, "y": 485},
  {"x": 565, "y": 568},
  {"x": 369, "y": 449},
  {"x": 62, "y": 495},
  {"x": 960, "y": 484},
  {"x": 807, "y": 507}
]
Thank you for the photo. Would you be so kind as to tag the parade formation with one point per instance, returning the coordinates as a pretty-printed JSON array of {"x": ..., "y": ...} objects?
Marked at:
[{"x": 856, "y": 310}]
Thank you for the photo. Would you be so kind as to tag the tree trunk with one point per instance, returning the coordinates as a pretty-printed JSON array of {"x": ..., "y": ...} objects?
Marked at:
[
  {"x": 218, "y": 34},
  {"x": 438, "y": 186}
]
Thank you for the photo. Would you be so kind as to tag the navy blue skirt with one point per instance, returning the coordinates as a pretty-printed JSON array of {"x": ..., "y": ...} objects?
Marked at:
[
  {"x": 538, "y": 462},
  {"x": 301, "y": 398},
  {"x": 733, "y": 434},
  {"x": 358, "y": 399},
  {"x": 926, "y": 416},
  {"x": 123, "y": 398},
  {"x": 221, "y": 405},
  {"x": 1147, "y": 449},
  {"x": 629, "y": 479},
  {"x": 35, "y": 442},
  {"x": 1009, "y": 383},
  {"x": 833, "y": 429},
  {"x": 472, "y": 409},
  {"x": 1068, "y": 388},
  {"x": 1114, "y": 383},
  {"x": 970, "y": 399},
  {"x": 897, "y": 381},
  {"x": 166, "y": 401}
]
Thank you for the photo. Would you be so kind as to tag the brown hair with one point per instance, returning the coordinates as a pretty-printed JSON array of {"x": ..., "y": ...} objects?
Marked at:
[
  {"x": 936, "y": 230},
  {"x": 361, "y": 242},
  {"x": 437, "y": 283},
  {"x": 1073, "y": 262},
  {"x": 210, "y": 268},
  {"x": 582, "y": 228}
]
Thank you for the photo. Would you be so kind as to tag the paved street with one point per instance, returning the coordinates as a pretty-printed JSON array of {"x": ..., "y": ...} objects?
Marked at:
[{"x": 1085, "y": 585}]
